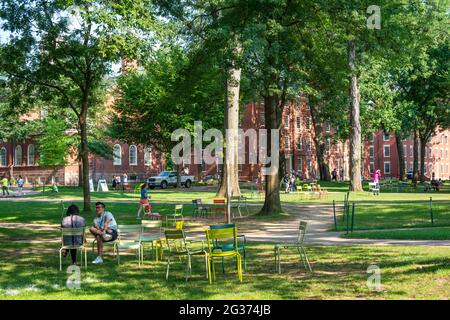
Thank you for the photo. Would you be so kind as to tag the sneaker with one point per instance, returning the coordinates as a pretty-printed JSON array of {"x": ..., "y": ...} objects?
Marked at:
[{"x": 98, "y": 260}]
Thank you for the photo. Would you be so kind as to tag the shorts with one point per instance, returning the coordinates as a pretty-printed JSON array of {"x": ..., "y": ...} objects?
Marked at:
[
  {"x": 144, "y": 202},
  {"x": 113, "y": 236}
]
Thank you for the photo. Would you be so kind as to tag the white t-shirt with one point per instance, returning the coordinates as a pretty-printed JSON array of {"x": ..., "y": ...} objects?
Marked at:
[{"x": 20, "y": 182}]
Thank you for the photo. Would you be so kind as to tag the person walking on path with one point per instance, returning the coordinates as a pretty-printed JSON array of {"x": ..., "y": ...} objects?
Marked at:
[
  {"x": 143, "y": 202},
  {"x": 5, "y": 183}
]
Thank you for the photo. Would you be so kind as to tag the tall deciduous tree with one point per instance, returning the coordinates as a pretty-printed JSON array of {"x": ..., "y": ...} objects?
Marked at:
[{"x": 64, "y": 49}]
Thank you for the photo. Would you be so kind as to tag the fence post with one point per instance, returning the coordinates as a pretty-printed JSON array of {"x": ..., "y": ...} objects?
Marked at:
[
  {"x": 431, "y": 210},
  {"x": 353, "y": 215},
  {"x": 334, "y": 214},
  {"x": 348, "y": 218}
]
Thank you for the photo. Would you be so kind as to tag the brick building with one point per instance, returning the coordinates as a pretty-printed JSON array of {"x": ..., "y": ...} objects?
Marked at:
[{"x": 20, "y": 158}]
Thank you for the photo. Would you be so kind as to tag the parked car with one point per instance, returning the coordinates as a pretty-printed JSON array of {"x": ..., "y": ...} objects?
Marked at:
[{"x": 169, "y": 178}]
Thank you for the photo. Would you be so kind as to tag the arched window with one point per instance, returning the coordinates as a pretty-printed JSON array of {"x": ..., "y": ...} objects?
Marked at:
[
  {"x": 148, "y": 156},
  {"x": 133, "y": 155},
  {"x": 117, "y": 155},
  {"x": 18, "y": 156},
  {"x": 3, "y": 157},
  {"x": 31, "y": 155}
]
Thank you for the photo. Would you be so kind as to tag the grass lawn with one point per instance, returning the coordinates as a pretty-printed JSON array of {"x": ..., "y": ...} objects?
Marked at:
[
  {"x": 336, "y": 191},
  {"x": 29, "y": 264},
  {"x": 438, "y": 233},
  {"x": 404, "y": 215},
  {"x": 339, "y": 273}
]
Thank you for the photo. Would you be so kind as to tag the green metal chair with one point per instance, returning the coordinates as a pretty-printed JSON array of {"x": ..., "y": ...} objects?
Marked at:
[
  {"x": 152, "y": 233},
  {"x": 178, "y": 246},
  {"x": 68, "y": 234},
  {"x": 297, "y": 245},
  {"x": 221, "y": 234},
  {"x": 129, "y": 238},
  {"x": 173, "y": 219},
  {"x": 227, "y": 245}
]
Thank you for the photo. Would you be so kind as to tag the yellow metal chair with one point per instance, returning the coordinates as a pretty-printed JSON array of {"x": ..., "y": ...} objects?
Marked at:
[{"x": 214, "y": 235}]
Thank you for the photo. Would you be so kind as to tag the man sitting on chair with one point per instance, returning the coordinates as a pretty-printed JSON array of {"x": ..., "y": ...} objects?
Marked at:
[{"x": 104, "y": 230}]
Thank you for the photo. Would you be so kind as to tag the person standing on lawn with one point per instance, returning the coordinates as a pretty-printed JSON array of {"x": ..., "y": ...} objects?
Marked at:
[
  {"x": 5, "y": 183},
  {"x": 20, "y": 185},
  {"x": 376, "y": 178}
]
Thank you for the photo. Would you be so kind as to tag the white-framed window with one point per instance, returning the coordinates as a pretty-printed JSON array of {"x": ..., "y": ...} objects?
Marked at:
[
  {"x": 3, "y": 157},
  {"x": 308, "y": 122},
  {"x": 442, "y": 153},
  {"x": 148, "y": 156},
  {"x": 286, "y": 121},
  {"x": 117, "y": 155},
  {"x": 18, "y": 156},
  {"x": 262, "y": 118},
  {"x": 387, "y": 167},
  {"x": 309, "y": 164},
  {"x": 300, "y": 164},
  {"x": 430, "y": 152},
  {"x": 372, "y": 168},
  {"x": 327, "y": 146},
  {"x": 410, "y": 168},
  {"x": 31, "y": 155},
  {"x": 425, "y": 168},
  {"x": 405, "y": 154},
  {"x": 327, "y": 127},
  {"x": 446, "y": 153},
  {"x": 371, "y": 152},
  {"x": 386, "y": 136},
  {"x": 286, "y": 143},
  {"x": 133, "y": 155},
  {"x": 411, "y": 151},
  {"x": 299, "y": 122},
  {"x": 308, "y": 145},
  {"x": 425, "y": 156},
  {"x": 387, "y": 151},
  {"x": 431, "y": 168}
]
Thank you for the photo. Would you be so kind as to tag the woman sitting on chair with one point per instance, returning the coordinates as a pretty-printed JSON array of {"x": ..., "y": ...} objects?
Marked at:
[{"x": 73, "y": 220}]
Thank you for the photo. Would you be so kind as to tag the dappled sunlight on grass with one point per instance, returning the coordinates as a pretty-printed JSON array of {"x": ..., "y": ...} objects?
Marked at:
[{"x": 339, "y": 273}]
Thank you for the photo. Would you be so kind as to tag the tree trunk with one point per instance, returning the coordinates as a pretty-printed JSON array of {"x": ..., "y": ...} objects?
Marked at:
[
  {"x": 355, "y": 131},
  {"x": 272, "y": 203},
  {"x": 401, "y": 156},
  {"x": 416, "y": 158},
  {"x": 85, "y": 164},
  {"x": 423, "y": 145},
  {"x": 232, "y": 126},
  {"x": 324, "y": 168},
  {"x": 80, "y": 174}
]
